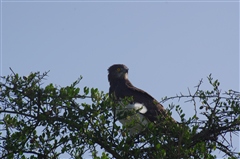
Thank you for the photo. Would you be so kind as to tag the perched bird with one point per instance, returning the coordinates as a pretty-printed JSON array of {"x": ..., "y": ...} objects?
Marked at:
[{"x": 148, "y": 109}]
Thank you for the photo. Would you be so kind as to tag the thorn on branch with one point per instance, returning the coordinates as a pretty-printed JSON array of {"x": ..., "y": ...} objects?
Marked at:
[{"x": 12, "y": 71}]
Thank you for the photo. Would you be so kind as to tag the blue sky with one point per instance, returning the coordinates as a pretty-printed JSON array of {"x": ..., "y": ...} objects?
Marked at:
[{"x": 168, "y": 46}]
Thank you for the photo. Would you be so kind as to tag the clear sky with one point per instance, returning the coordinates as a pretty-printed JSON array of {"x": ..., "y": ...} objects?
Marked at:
[{"x": 168, "y": 46}]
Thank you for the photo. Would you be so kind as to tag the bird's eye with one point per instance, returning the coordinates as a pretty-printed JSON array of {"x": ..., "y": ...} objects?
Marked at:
[{"x": 118, "y": 69}]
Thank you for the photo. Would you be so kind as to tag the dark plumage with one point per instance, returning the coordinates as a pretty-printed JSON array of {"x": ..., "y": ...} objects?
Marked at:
[{"x": 121, "y": 87}]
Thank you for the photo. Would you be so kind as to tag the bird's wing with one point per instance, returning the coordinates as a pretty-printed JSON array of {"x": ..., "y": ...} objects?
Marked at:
[{"x": 154, "y": 108}]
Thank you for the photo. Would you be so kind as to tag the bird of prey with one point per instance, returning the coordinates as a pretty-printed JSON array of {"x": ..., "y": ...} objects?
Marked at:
[{"x": 148, "y": 109}]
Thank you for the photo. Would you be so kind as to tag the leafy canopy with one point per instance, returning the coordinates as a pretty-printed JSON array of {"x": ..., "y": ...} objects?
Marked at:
[{"x": 40, "y": 121}]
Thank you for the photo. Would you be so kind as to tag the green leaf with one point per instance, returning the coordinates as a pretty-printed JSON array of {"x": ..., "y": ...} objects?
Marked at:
[{"x": 86, "y": 90}]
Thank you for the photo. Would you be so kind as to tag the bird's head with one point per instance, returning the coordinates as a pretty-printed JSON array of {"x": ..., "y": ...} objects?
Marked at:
[{"x": 117, "y": 71}]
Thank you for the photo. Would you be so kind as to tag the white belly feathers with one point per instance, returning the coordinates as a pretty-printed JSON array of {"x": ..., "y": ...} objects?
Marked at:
[{"x": 134, "y": 121}]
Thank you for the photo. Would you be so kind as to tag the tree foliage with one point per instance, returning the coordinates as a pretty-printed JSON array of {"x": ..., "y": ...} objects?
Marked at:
[{"x": 40, "y": 121}]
